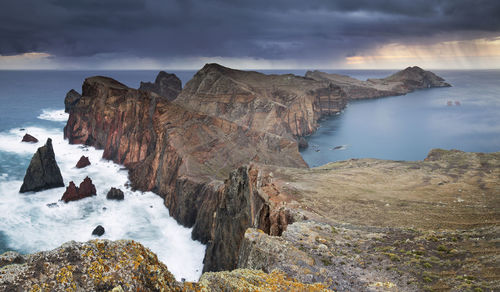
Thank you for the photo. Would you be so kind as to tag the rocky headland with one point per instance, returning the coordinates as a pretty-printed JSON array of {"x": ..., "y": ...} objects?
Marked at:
[{"x": 224, "y": 156}]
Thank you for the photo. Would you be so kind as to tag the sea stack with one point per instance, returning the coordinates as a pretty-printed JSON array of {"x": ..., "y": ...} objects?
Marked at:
[
  {"x": 43, "y": 172},
  {"x": 73, "y": 193},
  {"x": 83, "y": 162},
  {"x": 30, "y": 139}
]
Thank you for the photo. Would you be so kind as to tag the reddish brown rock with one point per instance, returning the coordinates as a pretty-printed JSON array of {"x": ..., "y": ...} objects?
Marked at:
[
  {"x": 166, "y": 85},
  {"x": 73, "y": 193},
  {"x": 30, "y": 139},
  {"x": 83, "y": 162}
]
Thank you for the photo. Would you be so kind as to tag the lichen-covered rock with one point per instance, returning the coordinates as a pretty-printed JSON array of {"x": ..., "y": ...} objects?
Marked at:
[
  {"x": 97, "y": 265},
  {"x": 43, "y": 172},
  {"x": 254, "y": 280}
]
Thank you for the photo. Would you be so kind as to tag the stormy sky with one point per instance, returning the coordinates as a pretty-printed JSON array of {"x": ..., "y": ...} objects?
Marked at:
[{"x": 263, "y": 34}]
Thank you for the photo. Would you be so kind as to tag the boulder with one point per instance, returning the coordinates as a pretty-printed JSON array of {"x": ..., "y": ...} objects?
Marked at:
[
  {"x": 73, "y": 193},
  {"x": 99, "y": 230},
  {"x": 166, "y": 85},
  {"x": 43, "y": 172},
  {"x": 83, "y": 162},
  {"x": 115, "y": 194},
  {"x": 72, "y": 97},
  {"x": 28, "y": 138}
]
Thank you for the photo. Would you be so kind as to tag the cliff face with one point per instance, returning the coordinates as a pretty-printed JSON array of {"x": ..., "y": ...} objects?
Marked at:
[
  {"x": 286, "y": 105},
  {"x": 193, "y": 151},
  {"x": 402, "y": 82},
  {"x": 182, "y": 155}
]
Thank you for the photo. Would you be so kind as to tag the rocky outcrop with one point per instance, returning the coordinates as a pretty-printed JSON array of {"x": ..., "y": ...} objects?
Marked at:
[
  {"x": 97, "y": 265},
  {"x": 43, "y": 172},
  {"x": 124, "y": 265},
  {"x": 402, "y": 82},
  {"x": 166, "y": 85},
  {"x": 28, "y": 138},
  {"x": 115, "y": 194},
  {"x": 71, "y": 99},
  {"x": 83, "y": 162},
  {"x": 286, "y": 105},
  {"x": 73, "y": 193}
]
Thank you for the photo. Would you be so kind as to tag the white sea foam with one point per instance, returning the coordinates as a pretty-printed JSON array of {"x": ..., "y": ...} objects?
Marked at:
[
  {"x": 53, "y": 115},
  {"x": 31, "y": 225}
]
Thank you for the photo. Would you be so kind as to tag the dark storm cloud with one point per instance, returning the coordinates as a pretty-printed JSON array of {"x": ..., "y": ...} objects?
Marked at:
[{"x": 268, "y": 29}]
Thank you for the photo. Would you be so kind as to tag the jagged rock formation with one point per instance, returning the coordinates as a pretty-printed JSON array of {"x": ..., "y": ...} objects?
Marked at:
[
  {"x": 402, "y": 82},
  {"x": 123, "y": 265},
  {"x": 43, "y": 172},
  {"x": 71, "y": 99},
  {"x": 28, "y": 138},
  {"x": 73, "y": 193},
  {"x": 83, "y": 162},
  {"x": 166, "y": 85}
]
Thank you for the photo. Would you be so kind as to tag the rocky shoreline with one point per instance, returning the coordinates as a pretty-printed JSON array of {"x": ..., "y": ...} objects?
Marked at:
[{"x": 224, "y": 156}]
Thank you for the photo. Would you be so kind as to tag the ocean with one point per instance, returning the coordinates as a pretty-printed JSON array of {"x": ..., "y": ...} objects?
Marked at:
[{"x": 398, "y": 128}]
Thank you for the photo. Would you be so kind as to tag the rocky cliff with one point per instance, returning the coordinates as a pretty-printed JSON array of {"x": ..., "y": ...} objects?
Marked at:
[
  {"x": 402, "y": 82},
  {"x": 224, "y": 158},
  {"x": 166, "y": 85}
]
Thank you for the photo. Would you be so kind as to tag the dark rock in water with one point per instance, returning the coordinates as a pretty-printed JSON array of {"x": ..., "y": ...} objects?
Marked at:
[
  {"x": 73, "y": 193},
  {"x": 166, "y": 85},
  {"x": 29, "y": 138},
  {"x": 43, "y": 172},
  {"x": 52, "y": 205},
  {"x": 72, "y": 97},
  {"x": 115, "y": 194},
  {"x": 337, "y": 147},
  {"x": 99, "y": 230},
  {"x": 83, "y": 162},
  {"x": 303, "y": 143}
]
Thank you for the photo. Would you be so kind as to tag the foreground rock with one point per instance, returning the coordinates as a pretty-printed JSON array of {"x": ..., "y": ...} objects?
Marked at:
[
  {"x": 115, "y": 194},
  {"x": 73, "y": 193},
  {"x": 97, "y": 265},
  {"x": 28, "y": 138},
  {"x": 166, "y": 85},
  {"x": 43, "y": 172},
  {"x": 402, "y": 82},
  {"x": 83, "y": 162}
]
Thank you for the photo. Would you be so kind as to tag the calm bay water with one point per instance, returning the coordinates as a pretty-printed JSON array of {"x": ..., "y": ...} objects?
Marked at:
[
  {"x": 399, "y": 128},
  {"x": 407, "y": 127}
]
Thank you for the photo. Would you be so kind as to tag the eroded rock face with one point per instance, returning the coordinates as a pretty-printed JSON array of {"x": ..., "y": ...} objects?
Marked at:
[
  {"x": 166, "y": 85},
  {"x": 71, "y": 99},
  {"x": 286, "y": 105},
  {"x": 28, "y": 138},
  {"x": 43, "y": 172},
  {"x": 402, "y": 82},
  {"x": 83, "y": 162},
  {"x": 182, "y": 155}
]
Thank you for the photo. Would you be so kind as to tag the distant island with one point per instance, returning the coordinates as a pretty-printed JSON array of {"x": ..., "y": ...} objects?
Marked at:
[{"x": 223, "y": 153}]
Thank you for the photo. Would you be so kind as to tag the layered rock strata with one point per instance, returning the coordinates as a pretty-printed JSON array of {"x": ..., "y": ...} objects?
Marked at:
[{"x": 43, "y": 172}]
